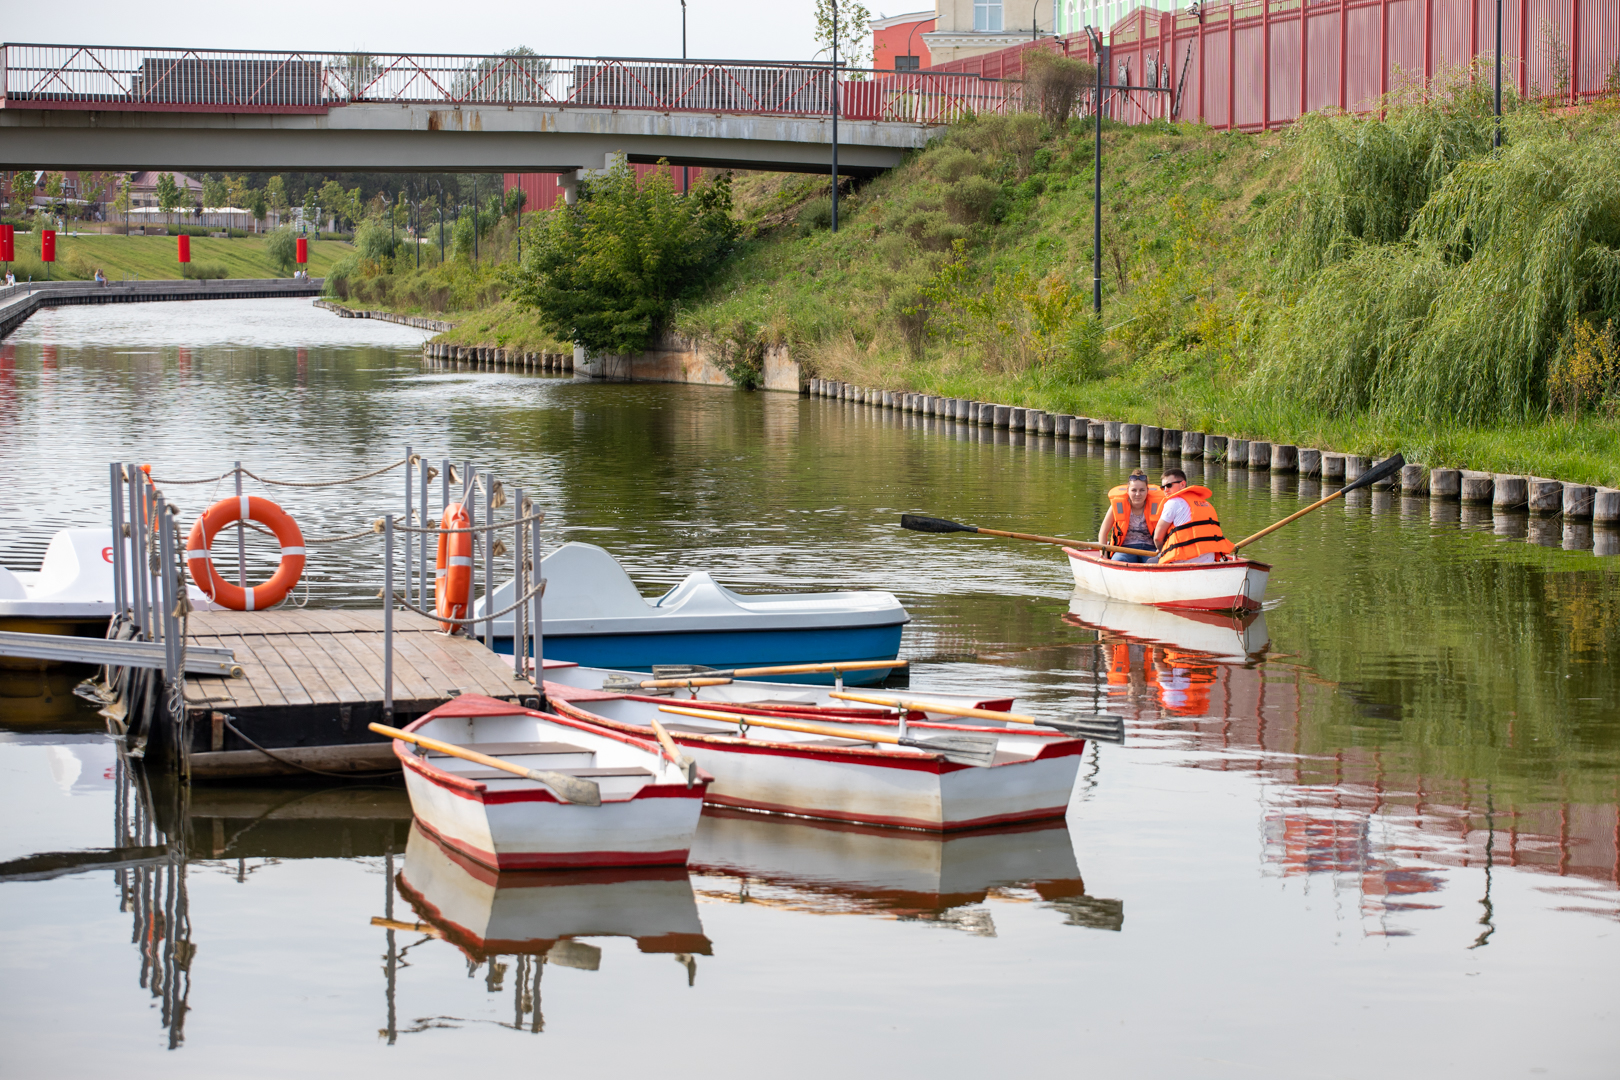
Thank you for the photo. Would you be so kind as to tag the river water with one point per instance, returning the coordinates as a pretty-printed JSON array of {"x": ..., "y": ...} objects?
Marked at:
[{"x": 1372, "y": 833}]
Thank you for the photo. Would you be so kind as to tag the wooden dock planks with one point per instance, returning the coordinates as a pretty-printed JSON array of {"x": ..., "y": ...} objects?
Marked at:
[{"x": 296, "y": 657}]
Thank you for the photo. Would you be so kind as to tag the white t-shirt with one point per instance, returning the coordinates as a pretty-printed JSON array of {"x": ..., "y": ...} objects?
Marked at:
[{"x": 1177, "y": 512}]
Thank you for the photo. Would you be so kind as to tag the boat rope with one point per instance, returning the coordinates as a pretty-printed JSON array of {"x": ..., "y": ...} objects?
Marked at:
[
  {"x": 530, "y": 595},
  {"x": 292, "y": 483},
  {"x": 226, "y": 719},
  {"x": 376, "y": 528}
]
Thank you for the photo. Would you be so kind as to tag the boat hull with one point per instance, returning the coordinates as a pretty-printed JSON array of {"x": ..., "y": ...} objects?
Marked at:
[
  {"x": 729, "y": 649},
  {"x": 519, "y": 824},
  {"x": 1239, "y": 585},
  {"x": 850, "y": 783}
]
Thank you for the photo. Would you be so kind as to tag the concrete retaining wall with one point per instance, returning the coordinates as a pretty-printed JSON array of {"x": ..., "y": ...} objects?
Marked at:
[
  {"x": 438, "y": 326},
  {"x": 21, "y": 301}
]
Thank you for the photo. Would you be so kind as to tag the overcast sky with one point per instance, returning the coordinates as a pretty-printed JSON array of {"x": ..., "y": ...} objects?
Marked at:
[{"x": 716, "y": 29}]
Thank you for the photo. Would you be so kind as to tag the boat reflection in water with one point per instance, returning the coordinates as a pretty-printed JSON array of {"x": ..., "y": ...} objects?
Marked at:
[
  {"x": 830, "y": 867},
  {"x": 1218, "y": 637},
  {"x": 537, "y": 916}
]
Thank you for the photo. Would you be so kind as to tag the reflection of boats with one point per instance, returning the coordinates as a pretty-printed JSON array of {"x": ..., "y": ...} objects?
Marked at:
[
  {"x": 1238, "y": 585},
  {"x": 835, "y": 867},
  {"x": 646, "y": 816},
  {"x": 1225, "y": 637},
  {"x": 595, "y": 615},
  {"x": 530, "y": 912},
  {"x": 846, "y": 779}
]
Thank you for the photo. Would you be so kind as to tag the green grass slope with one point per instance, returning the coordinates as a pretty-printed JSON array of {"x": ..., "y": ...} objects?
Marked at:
[{"x": 153, "y": 258}]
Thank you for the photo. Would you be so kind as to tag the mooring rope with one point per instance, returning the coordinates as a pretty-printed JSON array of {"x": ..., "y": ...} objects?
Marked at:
[
  {"x": 489, "y": 616},
  {"x": 291, "y": 483},
  {"x": 271, "y": 754}
]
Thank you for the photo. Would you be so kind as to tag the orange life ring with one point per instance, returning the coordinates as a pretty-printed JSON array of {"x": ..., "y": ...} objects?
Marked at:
[
  {"x": 272, "y": 517},
  {"x": 452, "y": 573}
]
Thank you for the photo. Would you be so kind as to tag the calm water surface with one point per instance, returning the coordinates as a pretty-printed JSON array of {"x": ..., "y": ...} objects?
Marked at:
[{"x": 1374, "y": 833}]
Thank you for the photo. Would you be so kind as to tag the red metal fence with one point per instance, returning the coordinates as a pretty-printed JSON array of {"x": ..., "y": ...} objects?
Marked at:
[
  {"x": 86, "y": 77},
  {"x": 1243, "y": 66}
]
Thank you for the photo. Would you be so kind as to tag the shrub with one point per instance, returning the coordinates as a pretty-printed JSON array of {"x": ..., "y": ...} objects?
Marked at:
[
  {"x": 815, "y": 214},
  {"x": 203, "y": 271},
  {"x": 1052, "y": 83},
  {"x": 375, "y": 241},
  {"x": 972, "y": 199}
]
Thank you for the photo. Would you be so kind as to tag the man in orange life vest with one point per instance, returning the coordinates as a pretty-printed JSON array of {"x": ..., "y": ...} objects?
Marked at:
[
  {"x": 1133, "y": 515},
  {"x": 1189, "y": 530}
]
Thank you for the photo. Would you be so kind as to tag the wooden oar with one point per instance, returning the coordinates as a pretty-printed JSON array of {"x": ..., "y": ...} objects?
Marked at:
[
  {"x": 571, "y": 788},
  {"x": 918, "y": 523},
  {"x": 962, "y": 749},
  {"x": 625, "y": 682},
  {"x": 1105, "y": 728},
  {"x": 687, "y": 766},
  {"x": 1372, "y": 476}
]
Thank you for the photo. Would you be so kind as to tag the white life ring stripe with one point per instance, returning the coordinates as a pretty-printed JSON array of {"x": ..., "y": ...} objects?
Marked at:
[
  {"x": 246, "y": 515},
  {"x": 461, "y": 560},
  {"x": 286, "y": 551},
  {"x": 250, "y": 593},
  {"x": 197, "y": 553}
]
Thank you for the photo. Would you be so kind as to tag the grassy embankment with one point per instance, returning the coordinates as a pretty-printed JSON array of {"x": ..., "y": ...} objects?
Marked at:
[
  {"x": 1333, "y": 286},
  {"x": 154, "y": 258}
]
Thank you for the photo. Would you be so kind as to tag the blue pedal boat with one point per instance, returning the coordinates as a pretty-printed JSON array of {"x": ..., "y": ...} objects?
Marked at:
[{"x": 594, "y": 616}]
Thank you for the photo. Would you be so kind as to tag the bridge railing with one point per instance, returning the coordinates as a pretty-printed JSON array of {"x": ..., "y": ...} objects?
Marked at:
[{"x": 108, "y": 78}]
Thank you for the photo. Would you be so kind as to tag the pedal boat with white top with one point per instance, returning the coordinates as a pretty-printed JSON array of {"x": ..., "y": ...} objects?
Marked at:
[
  {"x": 847, "y": 778},
  {"x": 71, "y": 593},
  {"x": 1234, "y": 585},
  {"x": 593, "y": 614},
  {"x": 647, "y": 817}
]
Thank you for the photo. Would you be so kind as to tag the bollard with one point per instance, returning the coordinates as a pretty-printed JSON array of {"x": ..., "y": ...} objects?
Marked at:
[
  {"x": 1284, "y": 458},
  {"x": 1170, "y": 441},
  {"x": 1192, "y": 444},
  {"x": 1016, "y": 417},
  {"x": 1060, "y": 425},
  {"x": 1237, "y": 453},
  {"x": 1214, "y": 447},
  {"x": 1259, "y": 455},
  {"x": 1606, "y": 506},
  {"x": 1445, "y": 483},
  {"x": 1355, "y": 466},
  {"x": 1546, "y": 496},
  {"x": 1333, "y": 467},
  {"x": 1476, "y": 487},
  {"x": 1414, "y": 480},
  {"x": 1310, "y": 461},
  {"x": 1130, "y": 434},
  {"x": 1577, "y": 500},
  {"x": 1151, "y": 437},
  {"x": 1511, "y": 493},
  {"x": 1003, "y": 417},
  {"x": 1111, "y": 432},
  {"x": 1094, "y": 431},
  {"x": 1044, "y": 423}
]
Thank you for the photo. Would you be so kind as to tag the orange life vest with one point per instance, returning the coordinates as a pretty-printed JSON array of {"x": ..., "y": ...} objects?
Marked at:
[
  {"x": 1121, "y": 503},
  {"x": 1199, "y": 535}
]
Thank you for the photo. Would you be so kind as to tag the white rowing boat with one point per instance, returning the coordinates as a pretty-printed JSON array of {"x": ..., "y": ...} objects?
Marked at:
[
  {"x": 847, "y": 778},
  {"x": 647, "y": 814},
  {"x": 1236, "y": 585}
]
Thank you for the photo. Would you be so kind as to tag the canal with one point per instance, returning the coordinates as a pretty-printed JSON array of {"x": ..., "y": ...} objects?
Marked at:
[{"x": 1374, "y": 832}]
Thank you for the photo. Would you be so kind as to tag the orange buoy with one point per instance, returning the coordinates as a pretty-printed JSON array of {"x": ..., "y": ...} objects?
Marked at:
[
  {"x": 452, "y": 573},
  {"x": 245, "y": 508}
]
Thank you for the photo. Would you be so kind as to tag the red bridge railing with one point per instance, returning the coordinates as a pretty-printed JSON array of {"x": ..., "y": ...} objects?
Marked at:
[{"x": 107, "y": 78}]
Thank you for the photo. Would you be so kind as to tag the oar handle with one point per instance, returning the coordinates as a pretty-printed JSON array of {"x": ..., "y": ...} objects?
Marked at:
[
  {"x": 781, "y": 725},
  {"x": 915, "y": 705},
  {"x": 1289, "y": 520},
  {"x": 1386, "y": 468},
  {"x": 664, "y": 684},
  {"x": 806, "y": 669},
  {"x": 1090, "y": 545}
]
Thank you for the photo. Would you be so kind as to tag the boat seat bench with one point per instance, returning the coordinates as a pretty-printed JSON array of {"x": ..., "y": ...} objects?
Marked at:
[
  {"x": 509, "y": 749},
  {"x": 584, "y": 774}
]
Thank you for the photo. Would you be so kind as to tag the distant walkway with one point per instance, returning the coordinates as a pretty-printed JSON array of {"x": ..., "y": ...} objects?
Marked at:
[{"x": 20, "y": 301}]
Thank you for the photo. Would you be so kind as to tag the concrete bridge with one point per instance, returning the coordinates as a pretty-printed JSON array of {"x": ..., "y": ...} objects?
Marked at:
[{"x": 92, "y": 107}]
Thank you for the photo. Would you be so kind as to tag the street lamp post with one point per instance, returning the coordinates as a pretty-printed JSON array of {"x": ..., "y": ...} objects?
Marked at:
[
  {"x": 1498, "y": 74},
  {"x": 1096, "y": 197},
  {"x": 1035, "y": 22},
  {"x": 686, "y": 170},
  {"x": 834, "y": 89}
]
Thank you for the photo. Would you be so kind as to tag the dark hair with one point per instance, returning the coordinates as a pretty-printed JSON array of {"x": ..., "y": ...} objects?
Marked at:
[
  {"x": 1137, "y": 474},
  {"x": 1174, "y": 474}
]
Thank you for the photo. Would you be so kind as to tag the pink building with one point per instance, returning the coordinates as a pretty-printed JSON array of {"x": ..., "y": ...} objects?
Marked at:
[{"x": 897, "y": 42}]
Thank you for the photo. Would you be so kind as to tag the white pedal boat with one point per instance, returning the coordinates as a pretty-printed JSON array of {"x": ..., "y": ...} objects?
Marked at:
[
  {"x": 1238, "y": 585},
  {"x": 847, "y": 779},
  {"x": 520, "y": 912},
  {"x": 759, "y": 692},
  {"x": 1225, "y": 637},
  {"x": 593, "y": 614},
  {"x": 506, "y": 822}
]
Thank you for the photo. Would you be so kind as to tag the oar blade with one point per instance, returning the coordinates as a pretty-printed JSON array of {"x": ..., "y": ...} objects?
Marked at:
[
  {"x": 676, "y": 671},
  {"x": 961, "y": 749},
  {"x": 1382, "y": 471},
  {"x": 622, "y": 684},
  {"x": 919, "y": 523},
  {"x": 571, "y": 788},
  {"x": 1110, "y": 729}
]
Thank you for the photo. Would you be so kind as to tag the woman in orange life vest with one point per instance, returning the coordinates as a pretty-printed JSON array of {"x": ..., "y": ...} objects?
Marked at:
[
  {"x": 1133, "y": 514},
  {"x": 1189, "y": 530}
]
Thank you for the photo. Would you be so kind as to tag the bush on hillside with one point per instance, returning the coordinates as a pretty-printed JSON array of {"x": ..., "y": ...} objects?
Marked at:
[
  {"x": 608, "y": 271},
  {"x": 196, "y": 271},
  {"x": 1053, "y": 83}
]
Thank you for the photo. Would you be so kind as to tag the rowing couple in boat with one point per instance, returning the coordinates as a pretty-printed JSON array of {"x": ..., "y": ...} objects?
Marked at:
[{"x": 1171, "y": 523}]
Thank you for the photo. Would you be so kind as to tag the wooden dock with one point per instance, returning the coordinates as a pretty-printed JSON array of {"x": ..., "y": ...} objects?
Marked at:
[{"x": 312, "y": 681}]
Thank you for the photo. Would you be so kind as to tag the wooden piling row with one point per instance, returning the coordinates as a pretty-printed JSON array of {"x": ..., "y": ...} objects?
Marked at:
[
  {"x": 1540, "y": 498},
  {"x": 494, "y": 358}
]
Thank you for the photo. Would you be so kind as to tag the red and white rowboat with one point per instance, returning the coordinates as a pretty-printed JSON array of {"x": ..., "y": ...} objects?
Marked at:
[
  {"x": 1238, "y": 585},
  {"x": 647, "y": 817},
  {"x": 846, "y": 779}
]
